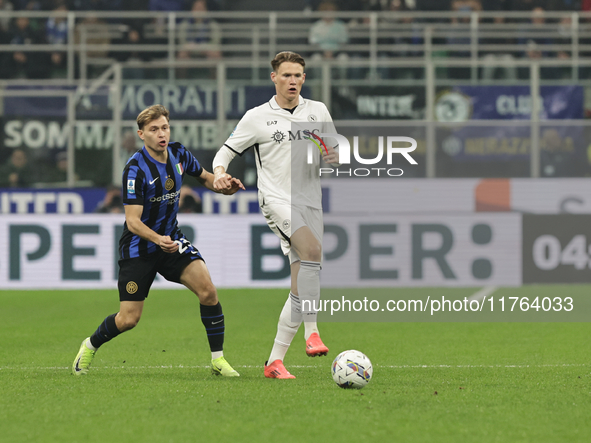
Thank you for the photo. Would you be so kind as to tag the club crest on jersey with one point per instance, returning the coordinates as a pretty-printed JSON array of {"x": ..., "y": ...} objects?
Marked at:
[
  {"x": 169, "y": 184},
  {"x": 312, "y": 118},
  {"x": 278, "y": 136},
  {"x": 131, "y": 186},
  {"x": 179, "y": 168}
]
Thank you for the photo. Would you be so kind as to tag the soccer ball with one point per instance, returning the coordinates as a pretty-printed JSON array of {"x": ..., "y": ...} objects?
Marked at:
[{"x": 351, "y": 369}]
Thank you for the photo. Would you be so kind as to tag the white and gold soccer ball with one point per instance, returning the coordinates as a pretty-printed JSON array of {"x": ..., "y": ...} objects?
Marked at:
[{"x": 352, "y": 369}]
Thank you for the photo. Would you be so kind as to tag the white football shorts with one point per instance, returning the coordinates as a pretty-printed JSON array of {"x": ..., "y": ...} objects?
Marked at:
[{"x": 286, "y": 219}]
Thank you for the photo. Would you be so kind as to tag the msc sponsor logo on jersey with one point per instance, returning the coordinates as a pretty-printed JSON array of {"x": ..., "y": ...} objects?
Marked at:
[
  {"x": 131, "y": 186},
  {"x": 302, "y": 133},
  {"x": 173, "y": 197}
]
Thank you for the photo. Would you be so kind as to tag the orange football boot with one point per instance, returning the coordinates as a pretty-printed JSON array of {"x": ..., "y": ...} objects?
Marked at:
[
  {"x": 277, "y": 370},
  {"x": 315, "y": 347}
]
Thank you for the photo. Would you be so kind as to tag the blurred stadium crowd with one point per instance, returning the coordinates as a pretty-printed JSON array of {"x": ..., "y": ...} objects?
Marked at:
[
  {"x": 293, "y": 5},
  {"x": 325, "y": 36}
]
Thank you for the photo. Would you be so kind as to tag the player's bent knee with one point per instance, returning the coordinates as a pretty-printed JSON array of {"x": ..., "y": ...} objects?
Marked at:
[
  {"x": 208, "y": 295},
  {"x": 125, "y": 323},
  {"x": 314, "y": 253}
]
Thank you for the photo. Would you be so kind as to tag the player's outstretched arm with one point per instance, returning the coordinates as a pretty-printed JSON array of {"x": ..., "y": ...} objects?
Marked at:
[
  {"x": 221, "y": 181},
  {"x": 133, "y": 214}
]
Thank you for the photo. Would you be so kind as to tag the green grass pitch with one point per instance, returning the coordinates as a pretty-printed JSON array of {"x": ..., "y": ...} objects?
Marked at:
[{"x": 433, "y": 382}]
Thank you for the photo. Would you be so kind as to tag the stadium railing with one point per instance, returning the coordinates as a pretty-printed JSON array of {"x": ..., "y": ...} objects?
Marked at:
[
  {"x": 249, "y": 40},
  {"x": 258, "y": 35}
]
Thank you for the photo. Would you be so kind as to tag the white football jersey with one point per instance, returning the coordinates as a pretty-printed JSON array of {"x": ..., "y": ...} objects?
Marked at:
[{"x": 279, "y": 139}]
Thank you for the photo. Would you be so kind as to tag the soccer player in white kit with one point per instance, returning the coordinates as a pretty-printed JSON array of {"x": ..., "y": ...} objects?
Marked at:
[{"x": 289, "y": 193}]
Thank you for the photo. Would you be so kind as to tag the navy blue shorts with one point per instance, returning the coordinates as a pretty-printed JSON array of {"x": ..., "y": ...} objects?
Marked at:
[{"x": 137, "y": 274}]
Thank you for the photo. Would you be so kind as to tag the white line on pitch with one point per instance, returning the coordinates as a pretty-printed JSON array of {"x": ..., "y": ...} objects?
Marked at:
[
  {"x": 14, "y": 368},
  {"x": 484, "y": 366},
  {"x": 562, "y": 365},
  {"x": 483, "y": 293}
]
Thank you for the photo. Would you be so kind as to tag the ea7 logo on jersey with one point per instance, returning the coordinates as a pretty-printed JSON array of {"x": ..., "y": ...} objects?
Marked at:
[
  {"x": 131, "y": 186},
  {"x": 271, "y": 122}
]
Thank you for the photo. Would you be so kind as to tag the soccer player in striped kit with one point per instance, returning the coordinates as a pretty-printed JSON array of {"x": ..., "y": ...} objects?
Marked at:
[{"x": 152, "y": 242}]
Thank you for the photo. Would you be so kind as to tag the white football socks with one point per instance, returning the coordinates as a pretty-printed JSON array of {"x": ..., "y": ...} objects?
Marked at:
[
  {"x": 309, "y": 292},
  {"x": 289, "y": 322}
]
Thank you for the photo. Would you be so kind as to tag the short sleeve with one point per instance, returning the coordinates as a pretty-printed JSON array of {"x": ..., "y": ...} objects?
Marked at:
[
  {"x": 191, "y": 164},
  {"x": 243, "y": 136},
  {"x": 133, "y": 185}
]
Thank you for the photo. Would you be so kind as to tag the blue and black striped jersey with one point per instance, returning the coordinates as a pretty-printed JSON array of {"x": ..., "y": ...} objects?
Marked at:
[{"x": 157, "y": 187}]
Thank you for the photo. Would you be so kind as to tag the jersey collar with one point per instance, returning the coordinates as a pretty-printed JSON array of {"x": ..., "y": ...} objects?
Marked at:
[
  {"x": 275, "y": 106},
  {"x": 148, "y": 155}
]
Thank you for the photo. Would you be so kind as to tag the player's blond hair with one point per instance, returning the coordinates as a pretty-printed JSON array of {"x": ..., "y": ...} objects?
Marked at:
[
  {"x": 151, "y": 113},
  {"x": 287, "y": 56}
]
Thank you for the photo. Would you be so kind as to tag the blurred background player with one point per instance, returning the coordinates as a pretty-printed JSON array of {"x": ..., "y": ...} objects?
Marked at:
[
  {"x": 152, "y": 242},
  {"x": 289, "y": 196}
]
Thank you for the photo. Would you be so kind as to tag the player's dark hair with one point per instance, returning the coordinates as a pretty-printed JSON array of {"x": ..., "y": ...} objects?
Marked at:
[
  {"x": 287, "y": 56},
  {"x": 151, "y": 113}
]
